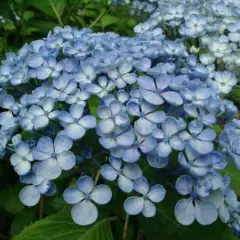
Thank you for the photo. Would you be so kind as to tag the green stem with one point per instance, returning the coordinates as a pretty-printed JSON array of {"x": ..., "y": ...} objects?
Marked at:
[
  {"x": 125, "y": 228},
  {"x": 72, "y": 9},
  {"x": 97, "y": 176},
  {"x": 56, "y": 13},
  {"x": 98, "y": 18}
]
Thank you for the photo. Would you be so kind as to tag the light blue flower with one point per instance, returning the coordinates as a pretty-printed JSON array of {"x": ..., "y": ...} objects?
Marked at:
[
  {"x": 156, "y": 91},
  {"x": 54, "y": 156},
  {"x": 74, "y": 123},
  {"x": 31, "y": 194},
  {"x": 22, "y": 158},
  {"x": 187, "y": 210},
  {"x": 201, "y": 139},
  {"x": 148, "y": 116},
  {"x": 112, "y": 116},
  {"x": 144, "y": 204},
  {"x": 123, "y": 76},
  {"x": 84, "y": 211},
  {"x": 124, "y": 176},
  {"x": 86, "y": 75}
]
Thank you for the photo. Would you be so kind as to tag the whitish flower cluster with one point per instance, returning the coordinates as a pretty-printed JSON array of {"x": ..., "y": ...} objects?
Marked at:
[
  {"x": 209, "y": 28},
  {"x": 152, "y": 100}
]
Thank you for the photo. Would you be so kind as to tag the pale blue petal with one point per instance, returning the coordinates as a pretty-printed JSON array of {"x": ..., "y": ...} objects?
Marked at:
[
  {"x": 141, "y": 185},
  {"x": 185, "y": 212},
  {"x": 133, "y": 108},
  {"x": 224, "y": 214},
  {"x": 134, "y": 205},
  {"x": 195, "y": 127},
  {"x": 43, "y": 72},
  {"x": 34, "y": 61},
  {"x": 200, "y": 146},
  {"x": 72, "y": 195},
  {"x": 184, "y": 185},
  {"x": 106, "y": 126},
  {"x": 206, "y": 212},
  {"x": 75, "y": 131},
  {"x": 173, "y": 98},
  {"x": 84, "y": 213},
  {"x": 104, "y": 112},
  {"x": 207, "y": 135},
  {"x": 22, "y": 149},
  {"x": 156, "y": 117},
  {"x": 131, "y": 155},
  {"x": 115, "y": 163},
  {"x": 151, "y": 97},
  {"x": 157, "y": 193},
  {"x": 49, "y": 169},
  {"x": 45, "y": 145},
  {"x": 170, "y": 126},
  {"x": 125, "y": 184},
  {"x": 148, "y": 144},
  {"x": 108, "y": 172},
  {"x": 76, "y": 111},
  {"x": 155, "y": 161},
  {"x": 29, "y": 196},
  {"x": 66, "y": 160},
  {"x": 163, "y": 149},
  {"x": 146, "y": 82},
  {"x": 88, "y": 122},
  {"x": 62, "y": 144},
  {"x": 149, "y": 210},
  {"x": 101, "y": 194},
  {"x": 126, "y": 139},
  {"x": 85, "y": 184},
  {"x": 177, "y": 143},
  {"x": 132, "y": 171},
  {"x": 144, "y": 126},
  {"x": 22, "y": 168},
  {"x": 108, "y": 142}
]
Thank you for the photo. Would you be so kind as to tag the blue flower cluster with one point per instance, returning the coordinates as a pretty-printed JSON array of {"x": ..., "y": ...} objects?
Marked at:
[
  {"x": 209, "y": 29},
  {"x": 156, "y": 102}
]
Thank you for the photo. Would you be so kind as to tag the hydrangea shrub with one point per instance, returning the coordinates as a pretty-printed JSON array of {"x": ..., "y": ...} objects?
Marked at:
[{"x": 147, "y": 102}]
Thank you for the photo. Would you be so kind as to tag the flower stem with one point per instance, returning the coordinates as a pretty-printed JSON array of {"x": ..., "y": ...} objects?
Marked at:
[
  {"x": 98, "y": 18},
  {"x": 125, "y": 228}
]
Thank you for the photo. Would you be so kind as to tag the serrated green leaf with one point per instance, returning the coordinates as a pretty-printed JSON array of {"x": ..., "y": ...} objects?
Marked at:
[
  {"x": 61, "y": 227},
  {"x": 107, "y": 20}
]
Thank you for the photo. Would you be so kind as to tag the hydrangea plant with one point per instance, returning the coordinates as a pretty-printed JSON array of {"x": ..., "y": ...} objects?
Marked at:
[{"x": 155, "y": 107}]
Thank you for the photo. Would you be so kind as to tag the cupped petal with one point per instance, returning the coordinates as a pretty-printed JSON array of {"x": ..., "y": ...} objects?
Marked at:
[
  {"x": 184, "y": 185},
  {"x": 104, "y": 112},
  {"x": 207, "y": 135},
  {"x": 144, "y": 126},
  {"x": 66, "y": 160},
  {"x": 22, "y": 168},
  {"x": 76, "y": 111},
  {"x": 101, "y": 194},
  {"x": 134, "y": 205},
  {"x": 125, "y": 184},
  {"x": 85, "y": 184},
  {"x": 132, "y": 171},
  {"x": 149, "y": 210},
  {"x": 84, "y": 213},
  {"x": 108, "y": 172},
  {"x": 141, "y": 185},
  {"x": 72, "y": 195},
  {"x": 131, "y": 155},
  {"x": 170, "y": 126},
  {"x": 45, "y": 145},
  {"x": 157, "y": 193},
  {"x": 163, "y": 149},
  {"x": 151, "y": 97},
  {"x": 177, "y": 143},
  {"x": 75, "y": 131},
  {"x": 106, "y": 126},
  {"x": 185, "y": 212},
  {"x": 22, "y": 149},
  {"x": 173, "y": 98},
  {"x": 29, "y": 196},
  {"x": 155, "y": 161},
  {"x": 88, "y": 122},
  {"x": 201, "y": 146},
  {"x": 206, "y": 213},
  {"x": 126, "y": 139},
  {"x": 146, "y": 82},
  {"x": 62, "y": 143},
  {"x": 156, "y": 117}
]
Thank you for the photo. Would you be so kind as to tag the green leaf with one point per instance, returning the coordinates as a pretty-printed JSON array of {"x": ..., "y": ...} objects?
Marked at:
[
  {"x": 107, "y": 20},
  {"x": 28, "y": 15},
  {"x": 47, "y": 6},
  {"x": 232, "y": 170},
  {"x": 93, "y": 104},
  {"x": 43, "y": 26},
  {"x": 10, "y": 199},
  {"x": 23, "y": 220},
  {"x": 61, "y": 227}
]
